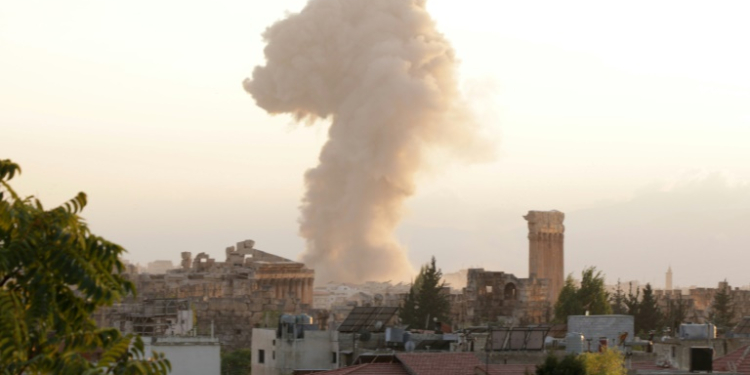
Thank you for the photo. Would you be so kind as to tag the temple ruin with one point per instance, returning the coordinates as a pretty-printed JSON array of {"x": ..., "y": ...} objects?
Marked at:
[
  {"x": 492, "y": 297},
  {"x": 251, "y": 288},
  {"x": 502, "y": 297},
  {"x": 546, "y": 251}
]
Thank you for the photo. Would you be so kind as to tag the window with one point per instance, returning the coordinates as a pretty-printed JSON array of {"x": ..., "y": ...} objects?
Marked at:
[
  {"x": 489, "y": 289},
  {"x": 273, "y": 354},
  {"x": 274, "y": 342},
  {"x": 261, "y": 356},
  {"x": 333, "y": 357}
]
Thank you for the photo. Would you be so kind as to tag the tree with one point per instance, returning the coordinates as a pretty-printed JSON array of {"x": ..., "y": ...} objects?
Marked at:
[
  {"x": 722, "y": 308},
  {"x": 677, "y": 311},
  {"x": 609, "y": 362},
  {"x": 53, "y": 274},
  {"x": 617, "y": 301},
  {"x": 648, "y": 317},
  {"x": 571, "y": 364},
  {"x": 591, "y": 296},
  {"x": 568, "y": 302},
  {"x": 426, "y": 300},
  {"x": 237, "y": 362},
  {"x": 633, "y": 301}
]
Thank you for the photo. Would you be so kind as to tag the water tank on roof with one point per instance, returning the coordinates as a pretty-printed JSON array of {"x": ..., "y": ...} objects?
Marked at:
[
  {"x": 304, "y": 319},
  {"x": 286, "y": 318},
  {"x": 697, "y": 331},
  {"x": 574, "y": 343}
]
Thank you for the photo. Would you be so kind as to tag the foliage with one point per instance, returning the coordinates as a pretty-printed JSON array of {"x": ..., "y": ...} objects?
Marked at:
[
  {"x": 617, "y": 301},
  {"x": 571, "y": 364},
  {"x": 633, "y": 301},
  {"x": 609, "y": 362},
  {"x": 53, "y": 274},
  {"x": 236, "y": 363},
  {"x": 677, "y": 311},
  {"x": 426, "y": 300},
  {"x": 591, "y": 296},
  {"x": 722, "y": 309},
  {"x": 648, "y": 317}
]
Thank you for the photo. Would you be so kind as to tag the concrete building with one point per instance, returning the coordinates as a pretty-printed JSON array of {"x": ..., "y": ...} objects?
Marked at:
[
  {"x": 279, "y": 351},
  {"x": 188, "y": 355},
  {"x": 546, "y": 250},
  {"x": 602, "y": 329},
  {"x": 157, "y": 317}
]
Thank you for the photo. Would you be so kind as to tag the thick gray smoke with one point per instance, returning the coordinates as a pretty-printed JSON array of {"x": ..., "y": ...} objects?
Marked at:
[{"x": 385, "y": 76}]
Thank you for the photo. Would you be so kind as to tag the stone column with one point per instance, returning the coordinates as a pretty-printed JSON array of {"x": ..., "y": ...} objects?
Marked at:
[
  {"x": 301, "y": 287},
  {"x": 546, "y": 244},
  {"x": 308, "y": 284}
]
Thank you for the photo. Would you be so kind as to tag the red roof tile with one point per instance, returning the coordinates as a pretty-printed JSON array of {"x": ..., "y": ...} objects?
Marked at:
[
  {"x": 369, "y": 369},
  {"x": 739, "y": 358},
  {"x": 514, "y": 369},
  {"x": 439, "y": 363}
]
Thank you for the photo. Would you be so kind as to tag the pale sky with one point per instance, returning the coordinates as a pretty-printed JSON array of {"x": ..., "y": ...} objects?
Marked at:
[{"x": 632, "y": 118}]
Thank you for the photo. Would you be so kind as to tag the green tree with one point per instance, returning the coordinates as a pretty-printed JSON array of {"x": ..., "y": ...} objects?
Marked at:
[
  {"x": 236, "y": 363},
  {"x": 677, "y": 311},
  {"x": 633, "y": 301},
  {"x": 568, "y": 302},
  {"x": 591, "y": 296},
  {"x": 617, "y": 301},
  {"x": 722, "y": 308},
  {"x": 571, "y": 364},
  {"x": 609, "y": 362},
  {"x": 53, "y": 274},
  {"x": 648, "y": 317},
  {"x": 426, "y": 300}
]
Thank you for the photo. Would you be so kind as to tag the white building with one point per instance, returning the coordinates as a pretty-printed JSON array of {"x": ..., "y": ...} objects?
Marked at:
[
  {"x": 294, "y": 349},
  {"x": 187, "y": 355}
]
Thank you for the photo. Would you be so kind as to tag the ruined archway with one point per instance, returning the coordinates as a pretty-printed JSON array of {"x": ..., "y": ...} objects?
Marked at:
[{"x": 510, "y": 291}]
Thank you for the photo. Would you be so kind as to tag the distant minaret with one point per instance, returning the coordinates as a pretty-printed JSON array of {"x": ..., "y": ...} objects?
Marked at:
[{"x": 669, "y": 279}]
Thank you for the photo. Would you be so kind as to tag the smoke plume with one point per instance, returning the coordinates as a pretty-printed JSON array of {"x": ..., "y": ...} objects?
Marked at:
[{"x": 386, "y": 78}]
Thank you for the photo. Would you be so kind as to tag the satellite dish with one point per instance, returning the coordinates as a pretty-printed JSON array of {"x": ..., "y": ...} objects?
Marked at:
[
  {"x": 378, "y": 325},
  {"x": 409, "y": 346}
]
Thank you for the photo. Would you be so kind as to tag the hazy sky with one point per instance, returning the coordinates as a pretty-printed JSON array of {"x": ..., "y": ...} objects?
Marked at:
[{"x": 632, "y": 118}]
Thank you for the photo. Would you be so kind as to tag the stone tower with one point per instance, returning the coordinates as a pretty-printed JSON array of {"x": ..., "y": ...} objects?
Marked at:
[
  {"x": 546, "y": 255},
  {"x": 668, "y": 285}
]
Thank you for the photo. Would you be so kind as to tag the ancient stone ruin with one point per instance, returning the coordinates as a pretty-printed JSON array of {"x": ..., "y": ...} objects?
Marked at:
[
  {"x": 251, "y": 288},
  {"x": 546, "y": 255}
]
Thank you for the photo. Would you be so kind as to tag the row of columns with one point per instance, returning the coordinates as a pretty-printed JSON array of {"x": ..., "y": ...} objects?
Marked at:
[{"x": 287, "y": 288}]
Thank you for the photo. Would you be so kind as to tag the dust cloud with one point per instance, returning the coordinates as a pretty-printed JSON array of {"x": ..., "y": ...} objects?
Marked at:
[{"x": 386, "y": 79}]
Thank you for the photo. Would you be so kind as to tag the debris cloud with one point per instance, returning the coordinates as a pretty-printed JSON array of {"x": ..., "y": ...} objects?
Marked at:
[{"x": 386, "y": 78}]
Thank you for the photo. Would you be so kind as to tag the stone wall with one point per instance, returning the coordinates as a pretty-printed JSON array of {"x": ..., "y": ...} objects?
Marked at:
[
  {"x": 499, "y": 297},
  {"x": 251, "y": 288}
]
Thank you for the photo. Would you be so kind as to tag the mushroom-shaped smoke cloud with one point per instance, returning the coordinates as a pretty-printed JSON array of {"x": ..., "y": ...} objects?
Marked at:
[{"x": 385, "y": 76}]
